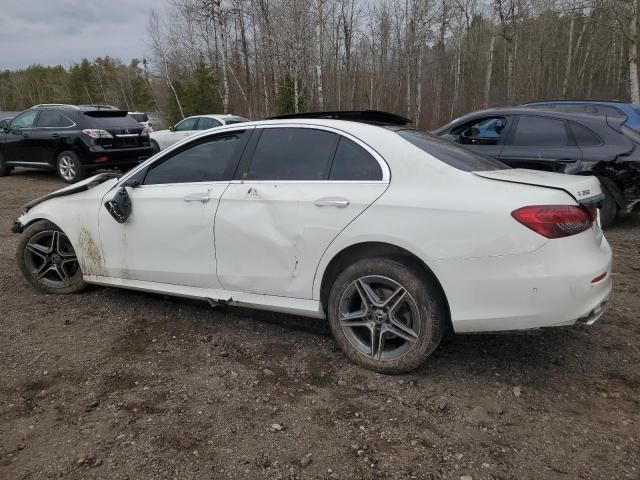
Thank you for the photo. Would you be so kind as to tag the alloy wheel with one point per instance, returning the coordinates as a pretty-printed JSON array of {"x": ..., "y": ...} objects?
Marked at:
[
  {"x": 67, "y": 168},
  {"x": 379, "y": 317},
  {"x": 51, "y": 260}
]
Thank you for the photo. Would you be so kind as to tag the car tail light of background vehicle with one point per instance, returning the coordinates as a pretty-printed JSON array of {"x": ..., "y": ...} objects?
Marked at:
[
  {"x": 556, "y": 221},
  {"x": 97, "y": 133}
]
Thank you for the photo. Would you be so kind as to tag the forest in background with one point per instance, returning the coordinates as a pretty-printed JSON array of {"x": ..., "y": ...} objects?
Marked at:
[{"x": 431, "y": 60}]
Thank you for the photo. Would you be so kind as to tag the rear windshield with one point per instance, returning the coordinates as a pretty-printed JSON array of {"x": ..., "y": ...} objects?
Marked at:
[
  {"x": 139, "y": 117},
  {"x": 450, "y": 153},
  {"x": 110, "y": 118}
]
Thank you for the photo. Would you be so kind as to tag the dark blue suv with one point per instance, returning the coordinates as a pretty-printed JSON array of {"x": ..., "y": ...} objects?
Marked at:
[{"x": 609, "y": 108}]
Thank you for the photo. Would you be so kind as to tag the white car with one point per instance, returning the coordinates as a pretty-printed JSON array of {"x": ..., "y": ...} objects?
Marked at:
[
  {"x": 143, "y": 119},
  {"x": 395, "y": 236},
  {"x": 189, "y": 126}
]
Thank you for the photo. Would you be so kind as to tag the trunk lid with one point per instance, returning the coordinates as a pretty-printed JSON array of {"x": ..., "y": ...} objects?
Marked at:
[{"x": 584, "y": 189}]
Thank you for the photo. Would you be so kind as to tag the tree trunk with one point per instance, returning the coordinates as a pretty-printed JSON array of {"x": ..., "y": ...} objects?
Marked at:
[
  {"x": 567, "y": 68},
  {"x": 217, "y": 13},
  {"x": 634, "y": 89},
  {"x": 319, "y": 54},
  {"x": 487, "y": 78}
]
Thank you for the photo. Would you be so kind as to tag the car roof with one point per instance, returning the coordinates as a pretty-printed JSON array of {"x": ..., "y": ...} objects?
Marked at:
[
  {"x": 535, "y": 111},
  {"x": 564, "y": 100}
]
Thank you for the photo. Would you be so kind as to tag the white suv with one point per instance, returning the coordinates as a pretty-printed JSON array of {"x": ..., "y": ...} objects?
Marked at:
[
  {"x": 394, "y": 235},
  {"x": 189, "y": 126}
]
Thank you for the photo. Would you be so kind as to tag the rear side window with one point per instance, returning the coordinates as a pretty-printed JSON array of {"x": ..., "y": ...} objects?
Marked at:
[
  {"x": 53, "y": 119},
  {"x": 205, "y": 123},
  {"x": 352, "y": 162},
  {"x": 582, "y": 136},
  {"x": 450, "y": 153},
  {"x": 203, "y": 162},
  {"x": 540, "y": 132},
  {"x": 609, "y": 111},
  {"x": 292, "y": 154}
]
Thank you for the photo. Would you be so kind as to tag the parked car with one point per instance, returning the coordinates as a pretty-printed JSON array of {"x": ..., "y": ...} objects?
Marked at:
[
  {"x": 391, "y": 233},
  {"x": 72, "y": 140},
  {"x": 610, "y": 108},
  {"x": 189, "y": 126},
  {"x": 559, "y": 142},
  {"x": 143, "y": 119}
]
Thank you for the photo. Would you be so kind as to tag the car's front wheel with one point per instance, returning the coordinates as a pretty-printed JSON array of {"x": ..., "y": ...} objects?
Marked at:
[
  {"x": 155, "y": 146},
  {"x": 69, "y": 167},
  {"x": 48, "y": 261},
  {"x": 4, "y": 168},
  {"x": 386, "y": 315}
]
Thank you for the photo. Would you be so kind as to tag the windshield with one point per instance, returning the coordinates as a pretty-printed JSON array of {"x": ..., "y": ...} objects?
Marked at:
[{"x": 451, "y": 154}]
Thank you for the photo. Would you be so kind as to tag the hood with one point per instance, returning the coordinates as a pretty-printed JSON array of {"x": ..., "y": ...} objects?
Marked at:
[
  {"x": 584, "y": 189},
  {"x": 71, "y": 189}
]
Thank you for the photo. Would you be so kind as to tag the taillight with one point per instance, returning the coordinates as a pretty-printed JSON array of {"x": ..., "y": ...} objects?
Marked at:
[
  {"x": 556, "y": 221},
  {"x": 97, "y": 133}
]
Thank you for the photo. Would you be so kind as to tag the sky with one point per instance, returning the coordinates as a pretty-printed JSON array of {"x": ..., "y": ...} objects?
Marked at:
[{"x": 62, "y": 32}]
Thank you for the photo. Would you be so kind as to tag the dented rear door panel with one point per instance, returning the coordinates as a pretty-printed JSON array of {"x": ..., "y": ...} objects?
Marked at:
[{"x": 271, "y": 235}]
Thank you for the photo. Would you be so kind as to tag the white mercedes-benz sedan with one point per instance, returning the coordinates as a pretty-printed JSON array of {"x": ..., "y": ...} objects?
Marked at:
[{"x": 393, "y": 235}]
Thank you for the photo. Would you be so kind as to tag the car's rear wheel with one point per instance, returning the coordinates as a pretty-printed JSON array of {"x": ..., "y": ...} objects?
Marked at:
[
  {"x": 386, "y": 315},
  {"x": 48, "y": 261},
  {"x": 69, "y": 167},
  {"x": 4, "y": 168},
  {"x": 609, "y": 208}
]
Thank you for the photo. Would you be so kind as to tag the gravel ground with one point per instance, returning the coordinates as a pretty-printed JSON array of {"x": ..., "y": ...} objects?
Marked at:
[{"x": 114, "y": 384}]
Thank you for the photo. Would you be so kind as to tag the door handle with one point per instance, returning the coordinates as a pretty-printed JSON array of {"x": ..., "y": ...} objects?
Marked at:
[
  {"x": 54, "y": 135},
  {"x": 332, "y": 202},
  {"x": 197, "y": 197},
  {"x": 25, "y": 135}
]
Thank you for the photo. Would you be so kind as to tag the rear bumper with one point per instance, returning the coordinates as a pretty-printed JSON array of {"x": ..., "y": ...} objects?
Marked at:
[
  {"x": 551, "y": 286},
  {"x": 120, "y": 156}
]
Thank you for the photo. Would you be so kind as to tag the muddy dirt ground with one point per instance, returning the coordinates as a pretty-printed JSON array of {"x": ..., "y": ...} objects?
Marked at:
[{"x": 114, "y": 384}]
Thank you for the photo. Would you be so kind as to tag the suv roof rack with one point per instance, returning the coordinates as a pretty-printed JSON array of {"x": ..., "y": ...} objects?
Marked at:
[
  {"x": 364, "y": 116},
  {"x": 65, "y": 105}
]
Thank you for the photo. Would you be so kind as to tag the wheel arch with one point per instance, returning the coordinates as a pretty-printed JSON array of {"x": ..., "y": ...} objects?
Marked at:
[{"x": 367, "y": 249}]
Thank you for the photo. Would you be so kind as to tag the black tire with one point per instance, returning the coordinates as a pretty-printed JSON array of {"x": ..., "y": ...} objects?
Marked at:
[
  {"x": 155, "y": 146},
  {"x": 4, "y": 168},
  {"x": 609, "y": 208},
  {"x": 56, "y": 271},
  {"x": 423, "y": 310},
  {"x": 69, "y": 168}
]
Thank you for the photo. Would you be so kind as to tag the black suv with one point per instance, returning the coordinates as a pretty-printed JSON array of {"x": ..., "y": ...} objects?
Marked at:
[
  {"x": 559, "y": 142},
  {"x": 73, "y": 140}
]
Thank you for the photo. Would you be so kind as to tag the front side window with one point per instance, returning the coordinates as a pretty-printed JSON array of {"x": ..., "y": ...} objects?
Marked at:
[
  {"x": 53, "y": 119},
  {"x": 450, "y": 153},
  {"x": 207, "y": 161},
  {"x": 352, "y": 162},
  {"x": 186, "y": 124},
  {"x": 484, "y": 131},
  {"x": 25, "y": 119},
  {"x": 292, "y": 154},
  {"x": 540, "y": 132}
]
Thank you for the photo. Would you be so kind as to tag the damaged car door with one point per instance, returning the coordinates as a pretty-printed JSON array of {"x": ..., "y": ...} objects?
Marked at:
[
  {"x": 168, "y": 236},
  {"x": 296, "y": 189}
]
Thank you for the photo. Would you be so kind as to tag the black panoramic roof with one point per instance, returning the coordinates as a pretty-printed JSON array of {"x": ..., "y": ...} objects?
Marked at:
[{"x": 363, "y": 116}]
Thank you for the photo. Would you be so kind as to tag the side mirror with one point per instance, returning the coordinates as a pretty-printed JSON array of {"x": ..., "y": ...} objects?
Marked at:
[
  {"x": 4, "y": 125},
  {"x": 172, "y": 128},
  {"x": 119, "y": 206}
]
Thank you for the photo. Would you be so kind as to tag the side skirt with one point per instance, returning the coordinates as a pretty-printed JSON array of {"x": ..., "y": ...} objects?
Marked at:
[{"x": 293, "y": 306}]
